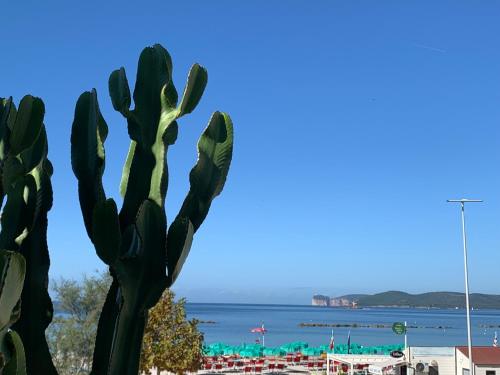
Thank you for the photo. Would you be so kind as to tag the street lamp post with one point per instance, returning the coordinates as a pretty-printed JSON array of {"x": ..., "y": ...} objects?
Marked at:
[{"x": 464, "y": 237}]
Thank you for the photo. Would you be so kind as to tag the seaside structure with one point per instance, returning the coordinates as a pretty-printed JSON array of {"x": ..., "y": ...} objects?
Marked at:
[
  {"x": 434, "y": 360},
  {"x": 326, "y": 301},
  {"x": 419, "y": 361},
  {"x": 486, "y": 360},
  {"x": 365, "y": 363}
]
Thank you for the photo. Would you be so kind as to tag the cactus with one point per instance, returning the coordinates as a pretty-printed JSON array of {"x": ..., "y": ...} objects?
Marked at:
[
  {"x": 25, "y": 180},
  {"x": 12, "y": 272},
  {"x": 143, "y": 257}
]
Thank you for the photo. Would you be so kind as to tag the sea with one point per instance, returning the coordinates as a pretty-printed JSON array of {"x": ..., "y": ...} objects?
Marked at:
[{"x": 231, "y": 324}]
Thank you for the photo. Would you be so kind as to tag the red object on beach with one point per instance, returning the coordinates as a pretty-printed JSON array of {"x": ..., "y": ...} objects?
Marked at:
[
  {"x": 208, "y": 366},
  {"x": 258, "y": 330},
  {"x": 271, "y": 366},
  {"x": 280, "y": 366},
  {"x": 248, "y": 369},
  {"x": 218, "y": 366}
]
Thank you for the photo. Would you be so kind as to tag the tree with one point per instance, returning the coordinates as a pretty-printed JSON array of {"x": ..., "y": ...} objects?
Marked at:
[
  {"x": 171, "y": 342},
  {"x": 71, "y": 336}
]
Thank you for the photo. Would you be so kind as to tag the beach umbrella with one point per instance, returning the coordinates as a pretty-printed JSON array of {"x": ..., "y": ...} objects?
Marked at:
[
  {"x": 269, "y": 351},
  {"x": 230, "y": 351},
  {"x": 311, "y": 351}
]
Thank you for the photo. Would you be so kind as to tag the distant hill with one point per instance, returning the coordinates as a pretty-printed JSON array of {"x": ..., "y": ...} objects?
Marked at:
[
  {"x": 426, "y": 300},
  {"x": 432, "y": 299},
  {"x": 354, "y": 297}
]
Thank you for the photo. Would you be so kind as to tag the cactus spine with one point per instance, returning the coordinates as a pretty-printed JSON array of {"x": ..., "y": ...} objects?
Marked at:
[
  {"x": 25, "y": 181},
  {"x": 143, "y": 257}
]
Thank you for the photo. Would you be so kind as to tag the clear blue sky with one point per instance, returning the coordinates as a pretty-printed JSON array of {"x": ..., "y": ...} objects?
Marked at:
[{"x": 354, "y": 122}]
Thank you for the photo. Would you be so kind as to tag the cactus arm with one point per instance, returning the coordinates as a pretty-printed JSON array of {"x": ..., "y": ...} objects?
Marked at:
[
  {"x": 37, "y": 310},
  {"x": 151, "y": 100},
  {"x": 6, "y": 112},
  {"x": 88, "y": 133},
  {"x": 106, "y": 231},
  {"x": 141, "y": 164},
  {"x": 31, "y": 157},
  {"x": 17, "y": 363},
  {"x": 196, "y": 83},
  {"x": 14, "y": 217},
  {"x": 150, "y": 145},
  {"x": 12, "y": 273},
  {"x": 154, "y": 71},
  {"x": 119, "y": 91},
  {"x": 168, "y": 129},
  {"x": 179, "y": 240},
  {"x": 207, "y": 179},
  {"x": 29, "y": 122},
  {"x": 13, "y": 270},
  {"x": 7, "y": 117}
]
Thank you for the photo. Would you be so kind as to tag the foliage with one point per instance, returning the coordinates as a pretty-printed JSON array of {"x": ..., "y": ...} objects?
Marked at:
[
  {"x": 171, "y": 343},
  {"x": 71, "y": 336},
  {"x": 143, "y": 257},
  {"x": 25, "y": 175}
]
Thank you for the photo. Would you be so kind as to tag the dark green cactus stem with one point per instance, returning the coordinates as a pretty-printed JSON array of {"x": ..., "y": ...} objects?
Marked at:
[
  {"x": 25, "y": 180},
  {"x": 133, "y": 240},
  {"x": 12, "y": 273}
]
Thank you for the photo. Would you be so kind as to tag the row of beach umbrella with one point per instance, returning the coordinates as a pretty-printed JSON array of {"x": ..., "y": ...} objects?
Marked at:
[{"x": 257, "y": 350}]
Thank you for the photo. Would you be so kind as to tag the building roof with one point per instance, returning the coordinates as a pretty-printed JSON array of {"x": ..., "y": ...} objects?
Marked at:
[{"x": 483, "y": 355}]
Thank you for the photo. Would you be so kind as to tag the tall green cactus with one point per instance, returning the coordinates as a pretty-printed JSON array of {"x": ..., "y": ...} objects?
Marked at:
[
  {"x": 25, "y": 179},
  {"x": 143, "y": 257}
]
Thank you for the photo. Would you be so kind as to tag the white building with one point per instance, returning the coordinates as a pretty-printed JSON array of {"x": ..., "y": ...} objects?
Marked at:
[
  {"x": 432, "y": 360},
  {"x": 486, "y": 360},
  {"x": 420, "y": 360}
]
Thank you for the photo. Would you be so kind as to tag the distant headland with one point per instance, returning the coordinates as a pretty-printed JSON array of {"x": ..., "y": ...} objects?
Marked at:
[{"x": 440, "y": 300}]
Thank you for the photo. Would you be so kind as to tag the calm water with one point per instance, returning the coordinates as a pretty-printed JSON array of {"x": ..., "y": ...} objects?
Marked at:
[{"x": 234, "y": 321}]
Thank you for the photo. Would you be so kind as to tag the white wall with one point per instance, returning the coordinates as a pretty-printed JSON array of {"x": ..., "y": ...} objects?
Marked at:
[
  {"x": 463, "y": 363},
  {"x": 481, "y": 370},
  {"x": 444, "y": 357}
]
